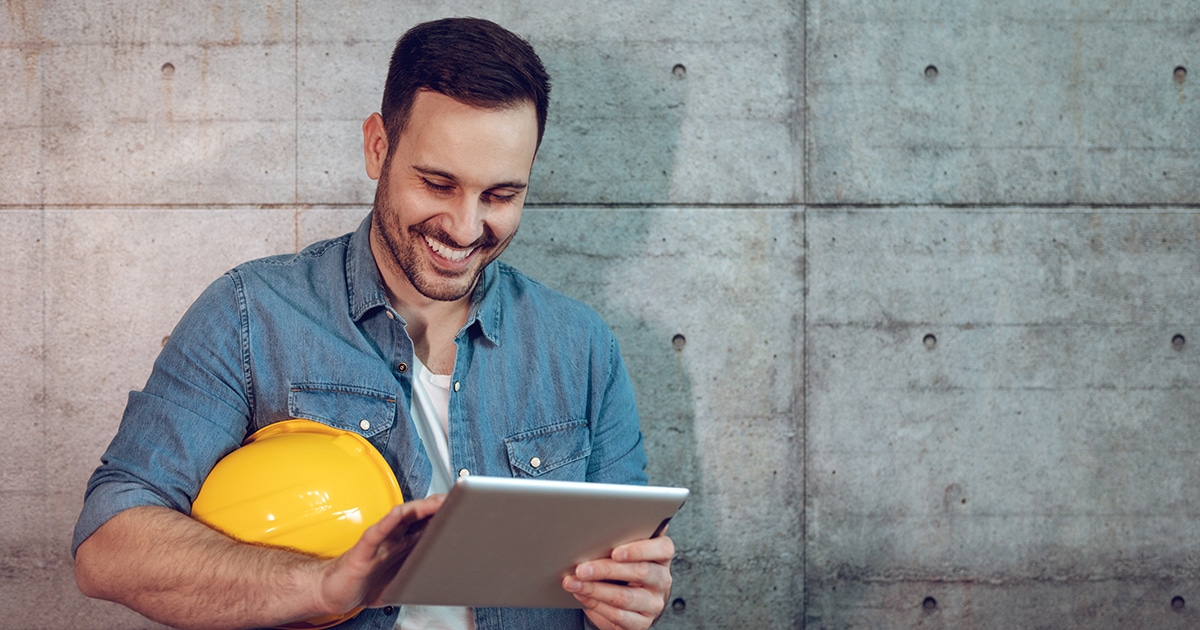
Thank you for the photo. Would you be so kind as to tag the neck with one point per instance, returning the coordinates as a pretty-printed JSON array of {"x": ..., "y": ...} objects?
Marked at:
[
  {"x": 432, "y": 334},
  {"x": 431, "y": 324}
]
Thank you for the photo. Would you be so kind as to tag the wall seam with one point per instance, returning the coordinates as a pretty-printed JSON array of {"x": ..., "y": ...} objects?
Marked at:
[{"x": 804, "y": 125}]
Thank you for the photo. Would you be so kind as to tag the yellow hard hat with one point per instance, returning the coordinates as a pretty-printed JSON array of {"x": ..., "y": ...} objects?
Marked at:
[{"x": 302, "y": 485}]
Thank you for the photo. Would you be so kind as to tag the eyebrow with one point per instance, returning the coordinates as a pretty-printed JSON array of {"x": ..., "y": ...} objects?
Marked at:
[{"x": 432, "y": 172}]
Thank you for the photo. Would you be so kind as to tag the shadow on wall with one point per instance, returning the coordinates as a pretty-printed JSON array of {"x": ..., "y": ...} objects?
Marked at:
[{"x": 611, "y": 139}]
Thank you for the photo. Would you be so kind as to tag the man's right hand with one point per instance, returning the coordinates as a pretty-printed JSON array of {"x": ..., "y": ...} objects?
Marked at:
[{"x": 178, "y": 571}]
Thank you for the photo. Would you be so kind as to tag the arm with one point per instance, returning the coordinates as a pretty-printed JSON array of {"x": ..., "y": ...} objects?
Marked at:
[{"x": 178, "y": 571}]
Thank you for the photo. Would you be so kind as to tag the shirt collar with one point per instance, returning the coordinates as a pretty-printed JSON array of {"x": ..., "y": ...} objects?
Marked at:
[
  {"x": 366, "y": 292},
  {"x": 364, "y": 285},
  {"x": 486, "y": 303}
]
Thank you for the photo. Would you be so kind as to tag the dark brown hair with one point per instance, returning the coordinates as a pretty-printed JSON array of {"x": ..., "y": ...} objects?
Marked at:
[{"x": 472, "y": 61}]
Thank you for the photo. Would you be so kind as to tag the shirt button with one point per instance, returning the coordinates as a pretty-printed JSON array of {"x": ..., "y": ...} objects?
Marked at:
[
  {"x": 391, "y": 315},
  {"x": 403, "y": 367},
  {"x": 464, "y": 473},
  {"x": 535, "y": 462},
  {"x": 389, "y": 610},
  {"x": 364, "y": 424},
  {"x": 457, "y": 385}
]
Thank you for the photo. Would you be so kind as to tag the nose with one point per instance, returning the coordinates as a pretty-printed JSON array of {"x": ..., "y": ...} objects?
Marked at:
[{"x": 466, "y": 222}]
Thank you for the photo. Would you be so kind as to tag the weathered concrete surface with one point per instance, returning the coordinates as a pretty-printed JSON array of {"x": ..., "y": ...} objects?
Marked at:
[
  {"x": 1007, "y": 410},
  {"x": 1047, "y": 102},
  {"x": 1129, "y": 602},
  {"x": 1028, "y": 466},
  {"x": 148, "y": 104}
]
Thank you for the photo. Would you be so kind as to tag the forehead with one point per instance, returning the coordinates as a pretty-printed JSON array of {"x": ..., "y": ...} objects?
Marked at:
[{"x": 468, "y": 142}]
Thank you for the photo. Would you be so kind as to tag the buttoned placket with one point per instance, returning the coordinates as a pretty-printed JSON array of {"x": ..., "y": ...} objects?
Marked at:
[{"x": 400, "y": 358}]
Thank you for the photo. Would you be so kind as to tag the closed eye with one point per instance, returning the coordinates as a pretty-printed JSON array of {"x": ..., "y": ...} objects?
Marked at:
[
  {"x": 500, "y": 197},
  {"x": 438, "y": 188}
]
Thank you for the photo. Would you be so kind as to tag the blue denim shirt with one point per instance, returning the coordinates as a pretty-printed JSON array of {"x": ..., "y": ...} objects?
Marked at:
[{"x": 312, "y": 335}]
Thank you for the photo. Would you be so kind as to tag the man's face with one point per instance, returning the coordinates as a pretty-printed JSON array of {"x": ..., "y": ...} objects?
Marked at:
[{"x": 450, "y": 195}]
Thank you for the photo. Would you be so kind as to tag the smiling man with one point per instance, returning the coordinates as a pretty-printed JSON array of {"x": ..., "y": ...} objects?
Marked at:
[{"x": 408, "y": 332}]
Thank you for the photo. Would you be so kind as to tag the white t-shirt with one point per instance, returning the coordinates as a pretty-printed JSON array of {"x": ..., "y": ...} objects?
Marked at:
[{"x": 431, "y": 414}]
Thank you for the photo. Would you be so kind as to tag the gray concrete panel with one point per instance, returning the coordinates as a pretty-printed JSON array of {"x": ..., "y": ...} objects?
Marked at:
[
  {"x": 161, "y": 124},
  {"x": 315, "y": 224},
  {"x": 21, "y": 126},
  {"x": 1003, "y": 398},
  {"x": 340, "y": 83},
  {"x": 155, "y": 22},
  {"x": 671, "y": 121},
  {"x": 22, "y": 404},
  {"x": 1164, "y": 603},
  {"x": 931, "y": 102},
  {"x": 150, "y": 103},
  {"x": 705, "y": 304},
  {"x": 698, "y": 104}
]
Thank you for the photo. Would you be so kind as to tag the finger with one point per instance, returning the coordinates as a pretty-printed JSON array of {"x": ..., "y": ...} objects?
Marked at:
[
  {"x": 399, "y": 543},
  {"x": 398, "y": 524},
  {"x": 606, "y": 617},
  {"x": 415, "y": 515},
  {"x": 618, "y": 606},
  {"x": 660, "y": 549},
  {"x": 651, "y": 574}
]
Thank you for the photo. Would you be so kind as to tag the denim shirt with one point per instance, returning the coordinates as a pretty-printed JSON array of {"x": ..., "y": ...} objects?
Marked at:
[{"x": 312, "y": 335}]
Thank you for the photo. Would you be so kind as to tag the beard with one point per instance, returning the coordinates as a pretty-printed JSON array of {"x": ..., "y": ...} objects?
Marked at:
[{"x": 409, "y": 253}]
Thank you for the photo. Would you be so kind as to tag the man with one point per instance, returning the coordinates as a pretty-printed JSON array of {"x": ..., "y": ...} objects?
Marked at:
[{"x": 448, "y": 360}]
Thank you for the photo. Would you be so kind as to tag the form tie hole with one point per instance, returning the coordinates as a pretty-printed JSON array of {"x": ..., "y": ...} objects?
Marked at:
[
  {"x": 1180, "y": 74},
  {"x": 929, "y": 603},
  {"x": 1178, "y": 342},
  {"x": 931, "y": 72},
  {"x": 680, "y": 71},
  {"x": 679, "y": 341},
  {"x": 1177, "y": 603},
  {"x": 168, "y": 70},
  {"x": 678, "y": 605},
  {"x": 930, "y": 341}
]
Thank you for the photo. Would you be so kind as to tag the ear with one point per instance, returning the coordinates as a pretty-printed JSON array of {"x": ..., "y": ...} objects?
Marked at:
[{"x": 375, "y": 145}]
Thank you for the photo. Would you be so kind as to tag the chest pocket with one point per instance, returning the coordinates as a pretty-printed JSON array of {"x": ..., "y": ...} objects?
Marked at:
[
  {"x": 363, "y": 411},
  {"x": 559, "y": 451}
]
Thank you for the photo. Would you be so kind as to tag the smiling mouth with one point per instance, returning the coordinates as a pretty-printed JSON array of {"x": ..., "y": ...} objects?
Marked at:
[{"x": 452, "y": 254}]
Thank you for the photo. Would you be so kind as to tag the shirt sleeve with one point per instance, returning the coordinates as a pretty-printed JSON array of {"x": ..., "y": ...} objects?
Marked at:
[{"x": 193, "y": 411}]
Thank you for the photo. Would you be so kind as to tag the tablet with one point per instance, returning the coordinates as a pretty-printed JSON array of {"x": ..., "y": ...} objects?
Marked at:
[{"x": 509, "y": 542}]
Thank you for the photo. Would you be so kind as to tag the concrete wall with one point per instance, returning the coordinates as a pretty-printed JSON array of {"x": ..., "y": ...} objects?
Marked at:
[{"x": 908, "y": 289}]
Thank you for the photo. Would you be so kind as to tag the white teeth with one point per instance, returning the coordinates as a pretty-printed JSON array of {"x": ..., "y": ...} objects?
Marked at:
[{"x": 449, "y": 253}]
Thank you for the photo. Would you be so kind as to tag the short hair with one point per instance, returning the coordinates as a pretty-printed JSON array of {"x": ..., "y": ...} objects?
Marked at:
[{"x": 472, "y": 61}]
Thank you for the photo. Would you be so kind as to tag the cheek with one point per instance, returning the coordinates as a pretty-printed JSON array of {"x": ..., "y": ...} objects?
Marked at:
[
  {"x": 405, "y": 208},
  {"x": 505, "y": 224}
]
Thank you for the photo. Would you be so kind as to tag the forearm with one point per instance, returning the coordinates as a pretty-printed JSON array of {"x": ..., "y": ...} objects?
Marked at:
[{"x": 178, "y": 571}]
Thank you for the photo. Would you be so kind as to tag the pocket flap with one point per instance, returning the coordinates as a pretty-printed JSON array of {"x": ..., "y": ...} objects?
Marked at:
[
  {"x": 542, "y": 450},
  {"x": 364, "y": 411}
]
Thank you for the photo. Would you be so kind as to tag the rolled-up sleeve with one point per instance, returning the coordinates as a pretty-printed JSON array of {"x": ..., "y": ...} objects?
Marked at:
[{"x": 193, "y": 410}]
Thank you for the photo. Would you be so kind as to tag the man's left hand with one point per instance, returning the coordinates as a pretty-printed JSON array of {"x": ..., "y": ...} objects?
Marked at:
[{"x": 627, "y": 590}]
